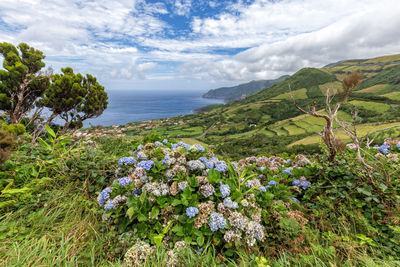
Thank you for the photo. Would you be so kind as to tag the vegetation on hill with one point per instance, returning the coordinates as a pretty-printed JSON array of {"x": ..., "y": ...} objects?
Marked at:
[
  {"x": 242, "y": 90},
  {"x": 269, "y": 121}
]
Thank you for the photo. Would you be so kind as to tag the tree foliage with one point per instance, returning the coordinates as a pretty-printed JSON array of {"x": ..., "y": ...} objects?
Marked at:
[
  {"x": 74, "y": 98},
  {"x": 21, "y": 80}
]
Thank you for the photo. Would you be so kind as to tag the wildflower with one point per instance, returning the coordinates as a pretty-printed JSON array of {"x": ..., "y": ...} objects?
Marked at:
[
  {"x": 124, "y": 181},
  {"x": 252, "y": 183},
  {"x": 230, "y": 204},
  {"x": 191, "y": 212},
  {"x": 384, "y": 149},
  {"x": 225, "y": 191},
  {"x": 245, "y": 203},
  {"x": 209, "y": 164},
  {"x": 126, "y": 161},
  {"x": 165, "y": 160},
  {"x": 263, "y": 189},
  {"x": 157, "y": 144},
  {"x": 182, "y": 185},
  {"x": 217, "y": 221},
  {"x": 287, "y": 171},
  {"x": 146, "y": 164},
  {"x": 104, "y": 196},
  {"x": 141, "y": 155},
  {"x": 197, "y": 147},
  {"x": 207, "y": 190},
  {"x": 220, "y": 166},
  {"x": 272, "y": 183},
  {"x": 234, "y": 165},
  {"x": 110, "y": 205},
  {"x": 165, "y": 141},
  {"x": 195, "y": 165},
  {"x": 296, "y": 182},
  {"x": 304, "y": 184},
  {"x": 203, "y": 159},
  {"x": 174, "y": 146}
]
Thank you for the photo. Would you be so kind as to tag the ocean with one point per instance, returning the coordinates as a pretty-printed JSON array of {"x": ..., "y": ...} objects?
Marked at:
[{"x": 137, "y": 105}]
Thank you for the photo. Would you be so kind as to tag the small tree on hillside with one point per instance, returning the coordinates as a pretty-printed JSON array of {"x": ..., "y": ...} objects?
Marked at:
[
  {"x": 21, "y": 81},
  {"x": 348, "y": 85},
  {"x": 74, "y": 98}
]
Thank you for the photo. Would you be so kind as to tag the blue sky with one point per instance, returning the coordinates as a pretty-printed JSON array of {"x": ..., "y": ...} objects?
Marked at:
[{"x": 198, "y": 44}]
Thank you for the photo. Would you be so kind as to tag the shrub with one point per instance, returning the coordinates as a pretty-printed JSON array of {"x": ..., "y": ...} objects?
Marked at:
[
  {"x": 15, "y": 129},
  {"x": 6, "y": 145},
  {"x": 167, "y": 193}
]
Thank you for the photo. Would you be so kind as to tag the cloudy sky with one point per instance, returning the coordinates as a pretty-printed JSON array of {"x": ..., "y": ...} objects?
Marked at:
[{"x": 198, "y": 44}]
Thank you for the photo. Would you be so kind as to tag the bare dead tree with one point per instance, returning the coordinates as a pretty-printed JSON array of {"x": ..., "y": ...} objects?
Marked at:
[
  {"x": 348, "y": 85},
  {"x": 351, "y": 131}
]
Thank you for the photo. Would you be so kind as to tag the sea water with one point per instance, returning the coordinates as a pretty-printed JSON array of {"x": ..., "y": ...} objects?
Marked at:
[{"x": 137, "y": 105}]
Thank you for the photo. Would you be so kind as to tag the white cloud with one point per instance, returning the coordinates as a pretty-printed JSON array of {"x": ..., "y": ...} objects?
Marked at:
[
  {"x": 128, "y": 39},
  {"x": 182, "y": 7}
]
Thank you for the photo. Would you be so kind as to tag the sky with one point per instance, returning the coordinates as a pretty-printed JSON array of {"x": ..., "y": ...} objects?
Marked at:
[{"x": 198, "y": 44}]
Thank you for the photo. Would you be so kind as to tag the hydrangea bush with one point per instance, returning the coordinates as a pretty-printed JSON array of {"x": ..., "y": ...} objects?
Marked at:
[{"x": 167, "y": 193}]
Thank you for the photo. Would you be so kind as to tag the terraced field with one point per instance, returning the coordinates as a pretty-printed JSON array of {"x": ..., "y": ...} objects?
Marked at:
[
  {"x": 373, "y": 106},
  {"x": 362, "y": 129}
]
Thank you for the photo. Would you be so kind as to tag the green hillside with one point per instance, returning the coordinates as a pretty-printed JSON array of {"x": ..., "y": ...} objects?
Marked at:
[
  {"x": 268, "y": 122},
  {"x": 242, "y": 90}
]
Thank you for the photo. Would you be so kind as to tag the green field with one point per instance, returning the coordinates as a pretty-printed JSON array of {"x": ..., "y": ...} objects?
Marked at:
[
  {"x": 373, "y": 89},
  {"x": 373, "y": 106}
]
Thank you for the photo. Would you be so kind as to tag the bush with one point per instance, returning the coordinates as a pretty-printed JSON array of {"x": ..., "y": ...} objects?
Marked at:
[
  {"x": 168, "y": 193},
  {"x": 7, "y": 143},
  {"x": 15, "y": 129}
]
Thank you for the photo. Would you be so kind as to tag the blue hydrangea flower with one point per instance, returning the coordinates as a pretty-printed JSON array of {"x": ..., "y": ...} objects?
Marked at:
[
  {"x": 305, "y": 184},
  {"x": 217, "y": 221},
  {"x": 182, "y": 185},
  {"x": 263, "y": 189},
  {"x": 398, "y": 144},
  {"x": 165, "y": 141},
  {"x": 104, "y": 196},
  {"x": 296, "y": 182},
  {"x": 287, "y": 171},
  {"x": 272, "y": 183},
  {"x": 209, "y": 164},
  {"x": 225, "y": 191},
  {"x": 165, "y": 160},
  {"x": 181, "y": 143},
  {"x": 187, "y": 147},
  {"x": 220, "y": 166},
  {"x": 230, "y": 204},
  {"x": 197, "y": 147},
  {"x": 110, "y": 205},
  {"x": 203, "y": 159},
  {"x": 124, "y": 181},
  {"x": 8, "y": 120},
  {"x": 146, "y": 164},
  {"x": 213, "y": 158},
  {"x": 191, "y": 212},
  {"x": 126, "y": 161},
  {"x": 384, "y": 149},
  {"x": 137, "y": 192},
  {"x": 174, "y": 146},
  {"x": 234, "y": 165},
  {"x": 262, "y": 169},
  {"x": 157, "y": 144}
]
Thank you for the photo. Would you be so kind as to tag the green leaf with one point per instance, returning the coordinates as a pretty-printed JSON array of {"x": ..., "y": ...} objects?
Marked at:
[
  {"x": 176, "y": 202},
  {"x": 130, "y": 212},
  {"x": 158, "y": 239},
  {"x": 44, "y": 144},
  {"x": 154, "y": 212},
  {"x": 142, "y": 218},
  {"x": 50, "y": 131},
  {"x": 200, "y": 240}
]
